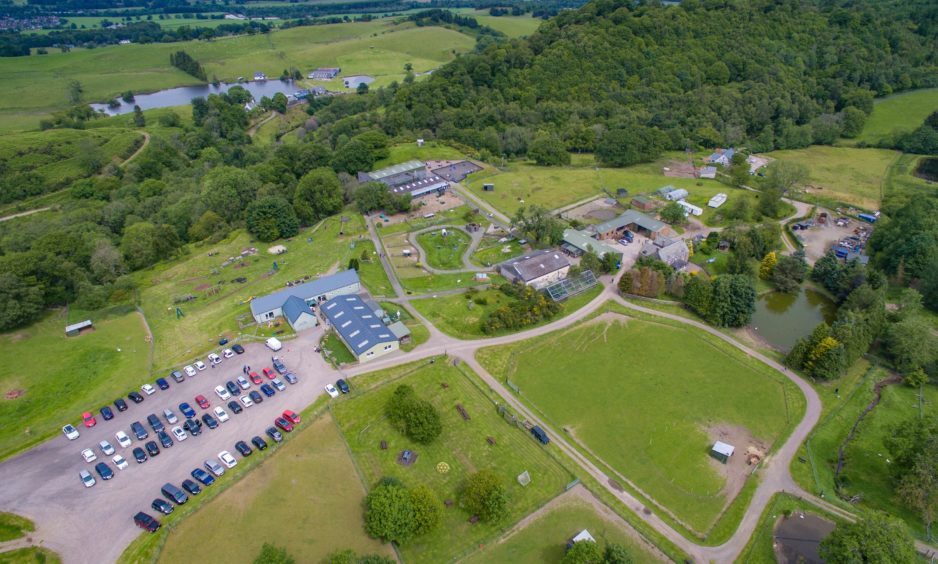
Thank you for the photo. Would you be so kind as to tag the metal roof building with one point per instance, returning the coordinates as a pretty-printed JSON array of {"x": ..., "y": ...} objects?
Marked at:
[
  {"x": 577, "y": 242},
  {"x": 76, "y": 328},
  {"x": 270, "y": 306},
  {"x": 359, "y": 328},
  {"x": 631, "y": 219},
  {"x": 410, "y": 177},
  {"x": 722, "y": 451},
  {"x": 298, "y": 314},
  {"x": 536, "y": 269}
]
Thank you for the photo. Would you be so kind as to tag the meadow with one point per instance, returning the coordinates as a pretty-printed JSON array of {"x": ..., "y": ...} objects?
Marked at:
[
  {"x": 490, "y": 251},
  {"x": 463, "y": 446},
  {"x": 663, "y": 388},
  {"x": 512, "y": 26},
  {"x": 95, "y": 367},
  {"x": 899, "y": 113},
  {"x": 430, "y": 151},
  {"x": 444, "y": 252}
]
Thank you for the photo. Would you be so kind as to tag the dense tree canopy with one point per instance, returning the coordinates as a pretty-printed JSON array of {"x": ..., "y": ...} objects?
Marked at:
[{"x": 877, "y": 538}]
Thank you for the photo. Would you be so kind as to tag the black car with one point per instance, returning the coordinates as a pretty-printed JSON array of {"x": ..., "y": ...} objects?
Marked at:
[
  {"x": 138, "y": 430},
  {"x": 342, "y": 385},
  {"x": 233, "y": 388},
  {"x": 238, "y": 349},
  {"x": 259, "y": 443},
  {"x": 162, "y": 506},
  {"x": 177, "y": 376},
  {"x": 174, "y": 494},
  {"x": 256, "y": 396},
  {"x": 268, "y": 390},
  {"x": 164, "y": 439},
  {"x": 191, "y": 487},
  {"x": 210, "y": 421},
  {"x": 290, "y": 377},
  {"x": 135, "y": 397},
  {"x": 274, "y": 434},
  {"x": 193, "y": 427},
  {"x": 279, "y": 366},
  {"x": 235, "y": 407},
  {"x": 223, "y": 341},
  {"x": 104, "y": 471},
  {"x": 155, "y": 423},
  {"x": 203, "y": 477},
  {"x": 146, "y": 522},
  {"x": 120, "y": 404},
  {"x": 106, "y": 413},
  {"x": 139, "y": 455},
  {"x": 243, "y": 448},
  {"x": 152, "y": 449},
  {"x": 162, "y": 383}
]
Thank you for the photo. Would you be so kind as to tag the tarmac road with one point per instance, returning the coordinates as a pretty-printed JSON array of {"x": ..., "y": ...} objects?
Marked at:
[{"x": 94, "y": 525}]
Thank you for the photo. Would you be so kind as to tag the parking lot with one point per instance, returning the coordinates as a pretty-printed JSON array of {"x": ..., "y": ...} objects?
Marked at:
[{"x": 43, "y": 483}]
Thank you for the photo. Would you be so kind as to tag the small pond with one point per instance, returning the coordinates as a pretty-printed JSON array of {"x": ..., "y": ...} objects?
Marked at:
[
  {"x": 781, "y": 319},
  {"x": 798, "y": 536},
  {"x": 184, "y": 95}
]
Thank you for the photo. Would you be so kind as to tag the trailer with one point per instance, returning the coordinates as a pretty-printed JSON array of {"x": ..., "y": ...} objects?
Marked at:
[{"x": 868, "y": 217}]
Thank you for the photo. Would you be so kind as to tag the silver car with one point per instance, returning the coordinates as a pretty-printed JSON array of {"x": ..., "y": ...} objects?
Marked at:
[
  {"x": 86, "y": 478},
  {"x": 214, "y": 467},
  {"x": 170, "y": 416}
]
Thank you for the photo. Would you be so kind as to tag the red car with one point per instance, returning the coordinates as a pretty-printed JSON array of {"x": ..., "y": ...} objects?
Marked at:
[
  {"x": 256, "y": 379},
  {"x": 200, "y": 399},
  {"x": 88, "y": 419},
  {"x": 269, "y": 373},
  {"x": 291, "y": 416},
  {"x": 283, "y": 424}
]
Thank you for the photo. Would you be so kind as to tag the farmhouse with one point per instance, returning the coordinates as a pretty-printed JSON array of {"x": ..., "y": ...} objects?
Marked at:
[
  {"x": 358, "y": 327},
  {"x": 575, "y": 243},
  {"x": 717, "y": 201},
  {"x": 673, "y": 252},
  {"x": 325, "y": 73},
  {"x": 411, "y": 177},
  {"x": 690, "y": 208},
  {"x": 537, "y": 269},
  {"x": 631, "y": 220},
  {"x": 723, "y": 157},
  {"x": 271, "y": 306}
]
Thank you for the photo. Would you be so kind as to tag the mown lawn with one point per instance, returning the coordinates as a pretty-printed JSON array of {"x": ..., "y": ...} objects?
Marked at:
[
  {"x": 660, "y": 387},
  {"x": 306, "y": 497},
  {"x": 462, "y": 446},
  {"x": 30, "y": 555},
  {"x": 444, "y": 252},
  {"x": 491, "y": 252},
  {"x": 431, "y": 151},
  {"x": 899, "y": 113},
  {"x": 13, "y": 526},
  {"x": 40, "y": 362}
]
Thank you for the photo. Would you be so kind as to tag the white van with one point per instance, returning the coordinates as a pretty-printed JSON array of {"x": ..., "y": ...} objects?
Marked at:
[{"x": 274, "y": 344}]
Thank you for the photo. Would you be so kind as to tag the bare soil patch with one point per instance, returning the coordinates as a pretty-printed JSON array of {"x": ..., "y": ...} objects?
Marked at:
[
  {"x": 748, "y": 453},
  {"x": 680, "y": 169},
  {"x": 594, "y": 211},
  {"x": 430, "y": 203},
  {"x": 13, "y": 394}
]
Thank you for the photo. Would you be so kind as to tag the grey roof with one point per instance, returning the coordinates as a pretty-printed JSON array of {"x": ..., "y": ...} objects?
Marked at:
[
  {"x": 583, "y": 241},
  {"x": 294, "y": 307},
  {"x": 304, "y": 291},
  {"x": 628, "y": 218},
  {"x": 78, "y": 326},
  {"x": 396, "y": 169},
  {"x": 399, "y": 329},
  {"x": 674, "y": 253},
  {"x": 356, "y": 323},
  {"x": 536, "y": 264}
]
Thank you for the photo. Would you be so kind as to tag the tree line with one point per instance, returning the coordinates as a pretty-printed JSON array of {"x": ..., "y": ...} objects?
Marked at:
[{"x": 184, "y": 62}]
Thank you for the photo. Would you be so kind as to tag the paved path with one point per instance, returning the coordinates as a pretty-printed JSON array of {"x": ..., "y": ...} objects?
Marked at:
[{"x": 475, "y": 238}]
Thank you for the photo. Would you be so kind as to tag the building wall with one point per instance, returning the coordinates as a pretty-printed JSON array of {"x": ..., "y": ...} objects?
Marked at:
[
  {"x": 549, "y": 278},
  {"x": 304, "y": 322},
  {"x": 378, "y": 350},
  {"x": 310, "y": 300}
]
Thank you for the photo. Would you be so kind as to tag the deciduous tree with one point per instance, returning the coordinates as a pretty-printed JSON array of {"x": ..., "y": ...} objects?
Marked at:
[
  {"x": 876, "y": 538},
  {"x": 484, "y": 495}
]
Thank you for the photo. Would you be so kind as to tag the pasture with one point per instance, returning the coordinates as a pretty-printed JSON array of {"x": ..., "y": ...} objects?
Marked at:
[
  {"x": 463, "y": 446},
  {"x": 95, "y": 367},
  {"x": 666, "y": 390},
  {"x": 512, "y": 26},
  {"x": 843, "y": 174},
  {"x": 306, "y": 491},
  {"x": 444, "y": 252},
  {"x": 491, "y": 252},
  {"x": 899, "y": 113},
  {"x": 431, "y": 151}
]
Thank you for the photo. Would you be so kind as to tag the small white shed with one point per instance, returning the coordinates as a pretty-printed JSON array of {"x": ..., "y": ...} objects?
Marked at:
[{"x": 722, "y": 451}]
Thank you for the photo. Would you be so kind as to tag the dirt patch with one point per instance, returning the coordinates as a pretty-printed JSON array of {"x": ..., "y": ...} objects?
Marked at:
[
  {"x": 817, "y": 240},
  {"x": 13, "y": 394},
  {"x": 429, "y": 203},
  {"x": 201, "y": 287},
  {"x": 594, "y": 211},
  {"x": 748, "y": 452},
  {"x": 680, "y": 169}
]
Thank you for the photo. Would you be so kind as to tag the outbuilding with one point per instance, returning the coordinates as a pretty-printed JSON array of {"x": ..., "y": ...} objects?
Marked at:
[
  {"x": 722, "y": 451},
  {"x": 266, "y": 308},
  {"x": 537, "y": 269},
  {"x": 298, "y": 314},
  {"x": 75, "y": 329}
]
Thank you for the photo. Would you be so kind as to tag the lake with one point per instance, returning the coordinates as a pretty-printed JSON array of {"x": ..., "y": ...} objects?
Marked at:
[
  {"x": 183, "y": 95},
  {"x": 781, "y": 319}
]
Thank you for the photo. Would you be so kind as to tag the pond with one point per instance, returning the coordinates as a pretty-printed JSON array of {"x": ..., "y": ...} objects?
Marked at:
[
  {"x": 798, "y": 536},
  {"x": 183, "y": 95},
  {"x": 781, "y": 319}
]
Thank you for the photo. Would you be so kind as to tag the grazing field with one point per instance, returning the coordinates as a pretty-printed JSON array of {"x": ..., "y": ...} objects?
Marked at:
[
  {"x": 665, "y": 389},
  {"x": 306, "y": 494},
  {"x": 491, "y": 251},
  {"x": 95, "y": 367},
  {"x": 852, "y": 176},
  {"x": 444, "y": 252},
  {"x": 33, "y": 87},
  {"x": 431, "y": 151},
  {"x": 899, "y": 113},
  {"x": 512, "y": 26},
  {"x": 463, "y": 446}
]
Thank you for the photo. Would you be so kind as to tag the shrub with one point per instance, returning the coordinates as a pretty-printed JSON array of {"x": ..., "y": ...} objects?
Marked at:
[
  {"x": 415, "y": 418},
  {"x": 485, "y": 495}
]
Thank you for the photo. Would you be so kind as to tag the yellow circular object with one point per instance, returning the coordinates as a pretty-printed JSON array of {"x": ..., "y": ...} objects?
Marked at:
[{"x": 442, "y": 468}]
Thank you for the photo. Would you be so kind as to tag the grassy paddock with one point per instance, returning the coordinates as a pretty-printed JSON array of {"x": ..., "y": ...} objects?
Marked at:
[
  {"x": 444, "y": 253},
  {"x": 13, "y": 526},
  {"x": 899, "y": 114},
  {"x": 431, "y": 151},
  {"x": 490, "y": 252}
]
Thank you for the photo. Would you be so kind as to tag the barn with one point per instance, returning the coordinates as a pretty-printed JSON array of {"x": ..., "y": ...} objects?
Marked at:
[
  {"x": 357, "y": 326},
  {"x": 266, "y": 308},
  {"x": 298, "y": 314}
]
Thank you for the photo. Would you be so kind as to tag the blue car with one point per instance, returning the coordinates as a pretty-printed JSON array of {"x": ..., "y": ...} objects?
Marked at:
[
  {"x": 162, "y": 383},
  {"x": 106, "y": 413},
  {"x": 268, "y": 390},
  {"x": 186, "y": 410},
  {"x": 204, "y": 477}
]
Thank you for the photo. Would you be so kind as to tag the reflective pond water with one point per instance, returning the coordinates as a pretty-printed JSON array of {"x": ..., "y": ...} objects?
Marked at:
[
  {"x": 781, "y": 319},
  {"x": 184, "y": 94}
]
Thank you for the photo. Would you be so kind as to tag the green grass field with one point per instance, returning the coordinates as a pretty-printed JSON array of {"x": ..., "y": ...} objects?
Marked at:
[
  {"x": 13, "y": 526},
  {"x": 371, "y": 272},
  {"x": 432, "y": 150},
  {"x": 852, "y": 176},
  {"x": 661, "y": 387},
  {"x": 462, "y": 445},
  {"x": 306, "y": 497},
  {"x": 444, "y": 253},
  {"x": 899, "y": 113},
  {"x": 333, "y": 348},
  {"x": 30, "y": 555},
  {"x": 491, "y": 252},
  {"x": 512, "y": 26},
  {"x": 543, "y": 541},
  {"x": 41, "y": 361},
  {"x": 171, "y": 22}
]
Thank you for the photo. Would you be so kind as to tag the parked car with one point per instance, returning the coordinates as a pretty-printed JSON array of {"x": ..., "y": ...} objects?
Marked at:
[
  {"x": 203, "y": 477},
  {"x": 214, "y": 467},
  {"x": 120, "y": 404},
  {"x": 148, "y": 389},
  {"x": 243, "y": 383},
  {"x": 342, "y": 385},
  {"x": 191, "y": 487},
  {"x": 291, "y": 416},
  {"x": 256, "y": 396},
  {"x": 214, "y": 358},
  {"x": 106, "y": 448},
  {"x": 330, "y": 389},
  {"x": 203, "y": 403},
  {"x": 256, "y": 379},
  {"x": 220, "y": 413},
  {"x": 88, "y": 419},
  {"x": 269, "y": 373},
  {"x": 193, "y": 427},
  {"x": 232, "y": 388},
  {"x": 122, "y": 439},
  {"x": 274, "y": 434},
  {"x": 276, "y": 383},
  {"x": 223, "y": 341},
  {"x": 179, "y": 433},
  {"x": 235, "y": 407},
  {"x": 174, "y": 494},
  {"x": 189, "y": 370},
  {"x": 268, "y": 390},
  {"x": 186, "y": 410},
  {"x": 170, "y": 416},
  {"x": 279, "y": 366},
  {"x": 104, "y": 471},
  {"x": 243, "y": 448},
  {"x": 200, "y": 365},
  {"x": 71, "y": 433},
  {"x": 162, "y": 383},
  {"x": 89, "y": 455},
  {"x": 259, "y": 443},
  {"x": 209, "y": 421},
  {"x": 222, "y": 393},
  {"x": 86, "y": 478},
  {"x": 119, "y": 461},
  {"x": 227, "y": 353},
  {"x": 162, "y": 506},
  {"x": 146, "y": 522},
  {"x": 237, "y": 348},
  {"x": 155, "y": 423},
  {"x": 246, "y": 401},
  {"x": 177, "y": 376},
  {"x": 140, "y": 455},
  {"x": 165, "y": 440},
  {"x": 291, "y": 378},
  {"x": 139, "y": 431},
  {"x": 152, "y": 449},
  {"x": 135, "y": 397},
  {"x": 106, "y": 413},
  {"x": 283, "y": 424},
  {"x": 227, "y": 459}
]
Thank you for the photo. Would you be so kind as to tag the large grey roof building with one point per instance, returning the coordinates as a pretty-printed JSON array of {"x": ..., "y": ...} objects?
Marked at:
[
  {"x": 410, "y": 177},
  {"x": 270, "y": 306},
  {"x": 359, "y": 328},
  {"x": 537, "y": 269}
]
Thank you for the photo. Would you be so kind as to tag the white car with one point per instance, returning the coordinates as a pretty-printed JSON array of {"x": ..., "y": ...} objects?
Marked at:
[
  {"x": 71, "y": 432},
  {"x": 214, "y": 358},
  {"x": 221, "y": 414},
  {"x": 148, "y": 389},
  {"x": 189, "y": 370},
  {"x": 200, "y": 365},
  {"x": 227, "y": 459},
  {"x": 119, "y": 461},
  {"x": 278, "y": 384},
  {"x": 330, "y": 389},
  {"x": 227, "y": 353},
  {"x": 122, "y": 439},
  {"x": 89, "y": 455},
  {"x": 214, "y": 467},
  {"x": 246, "y": 401},
  {"x": 179, "y": 434},
  {"x": 86, "y": 478},
  {"x": 106, "y": 448},
  {"x": 222, "y": 392},
  {"x": 243, "y": 382}
]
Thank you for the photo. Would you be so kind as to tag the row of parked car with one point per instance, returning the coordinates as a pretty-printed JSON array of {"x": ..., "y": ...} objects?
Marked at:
[{"x": 213, "y": 469}]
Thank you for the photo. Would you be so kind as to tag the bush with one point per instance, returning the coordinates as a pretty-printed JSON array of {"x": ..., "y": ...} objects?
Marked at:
[{"x": 531, "y": 307}]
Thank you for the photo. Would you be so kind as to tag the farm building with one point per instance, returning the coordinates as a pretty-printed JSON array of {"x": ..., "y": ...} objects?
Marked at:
[
  {"x": 722, "y": 451},
  {"x": 582, "y": 536},
  {"x": 723, "y": 157},
  {"x": 643, "y": 203},
  {"x": 298, "y": 314},
  {"x": 673, "y": 252},
  {"x": 400, "y": 331},
  {"x": 411, "y": 177},
  {"x": 717, "y": 201},
  {"x": 325, "y": 73},
  {"x": 631, "y": 220},
  {"x": 707, "y": 172},
  {"x": 690, "y": 208},
  {"x": 672, "y": 194},
  {"x": 537, "y": 269},
  {"x": 271, "y": 306},
  {"x": 75, "y": 329},
  {"x": 575, "y": 243},
  {"x": 755, "y": 163},
  {"x": 358, "y": 327}
]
